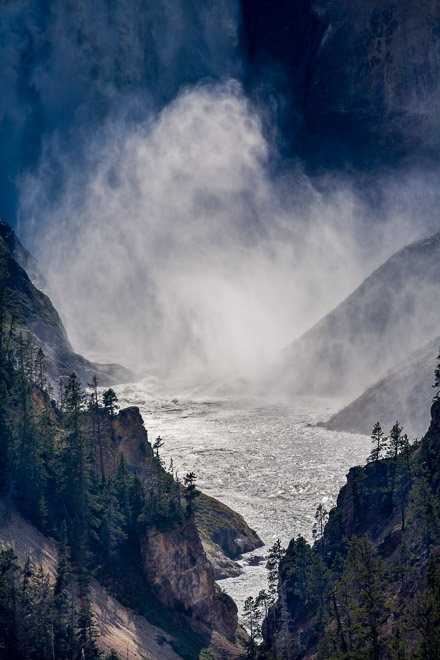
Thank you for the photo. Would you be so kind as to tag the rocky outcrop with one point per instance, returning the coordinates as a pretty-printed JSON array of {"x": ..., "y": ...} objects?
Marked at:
[
  {"x": 225, "y": 534},
  {"x": 182, "y": 578},
  {"x": 130, "y": 438},
  {"x": 362, "y": 509},
  {"x": 222, "y": 566},
  {"x": 384, "y": 527},
  {"x": 166, "y": 552},
  {"x": 225, "y": 527},
  {"x": 34, "y": 311}
]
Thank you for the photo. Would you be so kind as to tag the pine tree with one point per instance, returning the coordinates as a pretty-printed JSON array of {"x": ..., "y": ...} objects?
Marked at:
[
  {"x": 96, "y": 419},
  {"x": 362, "y": 599},
  {"x": 78, "y": 492},
  {"x": 424, "y": 612},
  {"x": 40, "y": 368},
  {"x": 436, "y": 385},
  {"x": 62, "y": 624},
  {"x": 321, "y": 517},
  {"x": 394, "y": 445},
  {"x": 191, "y": 492},
  {"x": 379, "y": 443},
  {"x": 110, "y": 401},
  {"x": 275, "y": 555},
  {"x": 252, "y": 616},
  {"x": 395, "y": 441},
  {"x": 40, "y": 642},
  {"x": 423, "y": 517},
  {"x": 87, "y": 632},
  {"x": 9, "y": 576},
  {"x": 403, "y": 476},
  {"x": 112, "y": 533}
]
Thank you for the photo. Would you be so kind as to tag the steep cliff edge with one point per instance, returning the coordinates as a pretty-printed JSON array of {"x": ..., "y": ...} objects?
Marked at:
[
  {"x": 182, "y": 578},
  {"x": 224, "y": 527},
  {"x": 224, "y": 533}
]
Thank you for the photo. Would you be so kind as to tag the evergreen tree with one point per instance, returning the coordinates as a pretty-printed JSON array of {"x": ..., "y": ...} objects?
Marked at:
[
  {"x": 62, "y": 624},
  {"x": 423, "y": 517},
  {"x": 96, "y": 421},
  {"x": 379, "y": 443},
  {"x": 87, "y": 633},
  {"x": 9, "y": 575},
  {"x": 321, "y": 517},
  {"x": 78, "y": 482},
  {"x": 110, "y": 401},
  {"x": 424, "y": 613},
  {"x": 436, "y": 385},
  {"x": 112, "y": 533},
  {"x": 394, "y": 446},
  {"x": 191, "y": 492},
  {"x": 395, "y": 441},
  {"x": 40, "y": 368},
  {"x": 40, "y": 641},
  {"x": 252, "y": 616},
  {"x": 275, "y": 555},
  {"x": 362, "y": 599}
]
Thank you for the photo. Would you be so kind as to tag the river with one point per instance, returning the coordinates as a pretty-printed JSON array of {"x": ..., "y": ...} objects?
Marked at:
[{"x": 267, "y": 460}]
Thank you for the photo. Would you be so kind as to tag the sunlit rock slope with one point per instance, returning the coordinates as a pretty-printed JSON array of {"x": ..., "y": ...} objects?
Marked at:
[
  {"x": 389, "y": 316},
  {"x": 403, "y": 394}
]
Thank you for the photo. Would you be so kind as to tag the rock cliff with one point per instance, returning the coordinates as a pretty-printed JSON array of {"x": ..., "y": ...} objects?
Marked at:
[
  {"x": 164, "y": 558},
  {"x": 359, "y": 80},
  {"x": 182, "y": 578},
  {"x": 366, "y": 581},
  {"x": 173, "y": 559}
]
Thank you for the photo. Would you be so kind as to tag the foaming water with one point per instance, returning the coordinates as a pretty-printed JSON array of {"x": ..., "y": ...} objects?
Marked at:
[{"x": 267, "y": 460}]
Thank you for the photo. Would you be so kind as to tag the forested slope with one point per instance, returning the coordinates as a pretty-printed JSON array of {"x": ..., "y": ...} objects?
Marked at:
[
  {"x": 86, "y": 476},
  {"x": 369, "y": 587}
]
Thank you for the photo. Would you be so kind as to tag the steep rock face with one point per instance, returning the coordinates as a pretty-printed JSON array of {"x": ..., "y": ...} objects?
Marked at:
[
  {"x": 387, "y": 530},
  {"x": 129, "y": 437},
  {"x": 360, "y": 75},
  {"x": 404, "y": 394},
  {"x": 223, "y": 529},
  {"x": 362, "y": 510},
  {"x": 222, "y": 566},
  {"x": 388, "y": 317},
  {"x": 376, "y": 73},
  {"x": 35, "y": 312},
  {"x": 174, "y": 560},
  {"x": 181, "y": 576}
]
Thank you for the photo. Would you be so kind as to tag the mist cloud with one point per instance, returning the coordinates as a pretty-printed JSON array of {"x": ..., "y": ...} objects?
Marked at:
[{"x": 171, "y": 244}]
